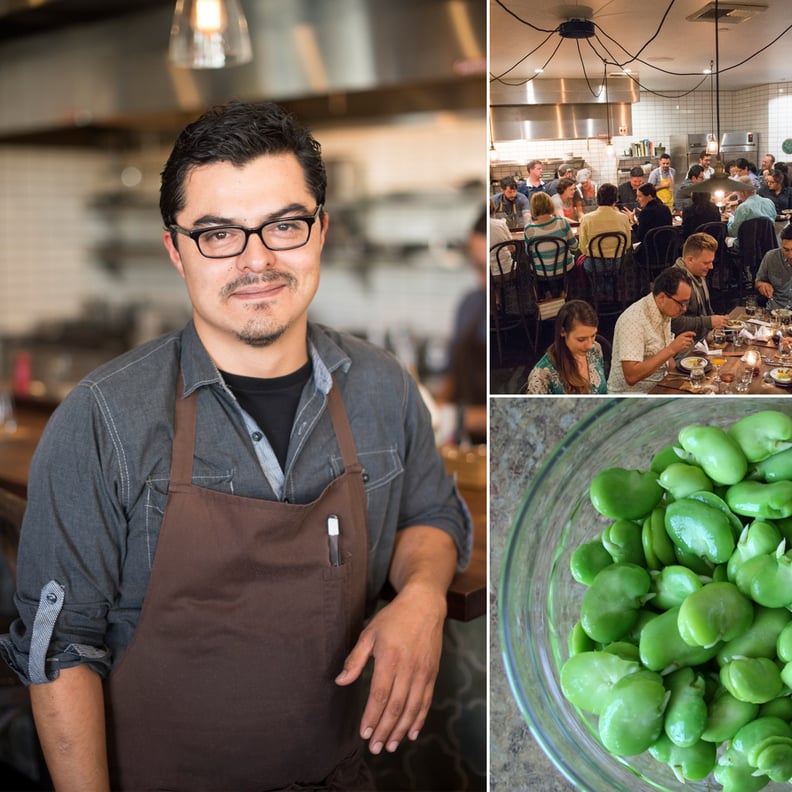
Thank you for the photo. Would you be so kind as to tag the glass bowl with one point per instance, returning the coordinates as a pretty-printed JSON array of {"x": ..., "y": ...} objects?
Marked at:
[{"x": 539, "y": 601}]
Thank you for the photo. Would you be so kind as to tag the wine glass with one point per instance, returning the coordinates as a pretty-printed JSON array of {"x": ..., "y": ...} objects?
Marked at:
[{"x": 717, "y": 361}]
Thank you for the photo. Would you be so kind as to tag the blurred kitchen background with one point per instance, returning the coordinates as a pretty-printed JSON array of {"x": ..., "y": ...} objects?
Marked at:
[
  {"x": 394, "y": 90},
  {"x": 89, "y": 106}
]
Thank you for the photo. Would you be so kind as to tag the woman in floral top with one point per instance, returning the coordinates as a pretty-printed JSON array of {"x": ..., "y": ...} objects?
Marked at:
[{"x": 573, "y": 363}]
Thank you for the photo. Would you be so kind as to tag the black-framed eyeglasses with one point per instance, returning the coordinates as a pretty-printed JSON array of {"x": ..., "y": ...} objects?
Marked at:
[
  {"x": 285, "y": 233},
  {"x": 682, "y": 304}
]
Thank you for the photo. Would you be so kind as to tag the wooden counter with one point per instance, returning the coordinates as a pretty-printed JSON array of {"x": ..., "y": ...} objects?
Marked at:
[{"x": 467, "y": 597}]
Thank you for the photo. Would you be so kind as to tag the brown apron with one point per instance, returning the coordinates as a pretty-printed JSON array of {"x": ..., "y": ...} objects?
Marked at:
[{"x": 228, "y": 681}]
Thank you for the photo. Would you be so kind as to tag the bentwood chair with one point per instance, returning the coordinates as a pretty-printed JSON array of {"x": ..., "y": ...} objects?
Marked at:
[
  {"x": 720, "y": 278},
  {"x": 755, "y": 237},
  {"x": 548, "y": 260},
  {"x": 604, "y": 268},
  {"x": 657, "y": 251},
  {"x": 509, "y": 292}
]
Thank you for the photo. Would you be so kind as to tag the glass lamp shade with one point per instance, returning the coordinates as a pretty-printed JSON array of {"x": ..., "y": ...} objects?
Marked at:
[{"x": 209, "y": 34}]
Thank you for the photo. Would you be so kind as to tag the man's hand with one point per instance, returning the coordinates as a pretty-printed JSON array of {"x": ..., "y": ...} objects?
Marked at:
[
  {"x": 719, "y": 320},
  {"x": 764, "y": 288},
  {"x": 405, "y": 639},
  {"x": 682, "y": 342}
]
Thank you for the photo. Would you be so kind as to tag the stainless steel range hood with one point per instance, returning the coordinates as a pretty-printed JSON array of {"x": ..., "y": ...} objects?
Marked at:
[
  {"x": 337, "y": 58},
  {"x": 561, "y": 110}
]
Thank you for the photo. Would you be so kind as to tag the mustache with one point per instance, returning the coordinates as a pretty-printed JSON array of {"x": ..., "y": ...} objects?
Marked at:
[{"x": 254, "y": 280}]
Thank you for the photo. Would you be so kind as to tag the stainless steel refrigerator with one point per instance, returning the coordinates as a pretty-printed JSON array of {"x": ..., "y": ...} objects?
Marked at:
[{"x": 733, "y": 146}]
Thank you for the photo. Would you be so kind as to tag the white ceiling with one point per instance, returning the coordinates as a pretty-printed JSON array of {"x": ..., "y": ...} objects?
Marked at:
[{"x": 629, "y": 26}]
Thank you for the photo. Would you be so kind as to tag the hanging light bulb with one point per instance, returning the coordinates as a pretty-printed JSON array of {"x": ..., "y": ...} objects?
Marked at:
[
  {"x": 209, "y": 34},
  {"x": 712, "y": 145},
  {"x": 609, "y": 151}
]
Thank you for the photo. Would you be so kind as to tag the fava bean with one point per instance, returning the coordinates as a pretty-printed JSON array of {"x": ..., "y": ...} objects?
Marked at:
[
  {"x": 625, "y": 494},
  {"x": 632, "y": 718},
  {"x": 690, "y": 763},
  {"x": 715, "y": 451},
  {"x": 672, "y": 584},
  {"x": 622, "y": 540},
  {"x": 775, "y": 468},
  {"x": 726, "y": 716},
  {"x": 681, "y": 480},
  {"x": 756, "y": 680},
  {"x": 657, "y": 545},
  {"x": 700, "y": 530},
  {"x": 662, "y": 649},
  {"x": 767, "y": 578},
  {"x": 760, "y": 639},
  {"x": 762, "y": 434},
  {"x": 758, "y": 538},
  {"x": 588, "y": 560},
  {"x": 763, "y": 501},
  {"x": 717, "y": 612},
  {"x": 587, "y": 678},
  {"x": 610, "y": 606},
  {"x": 686, "y": 711}
]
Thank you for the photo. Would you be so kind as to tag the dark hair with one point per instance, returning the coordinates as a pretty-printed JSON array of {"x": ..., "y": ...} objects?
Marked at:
[
  {"x": 648, "y": 190},
  {"x": 239, "y": 132},
  {"x": 695, "y": 171},
  {"x": 786, "y": 232},
  {"x": 572, "y": 312},
  {"x": 508, "y": 181},
  {"x": 564, "y": 184},
  {"x": 742, "y": 163},
  {"x": 667, "y": 282},
  {"x": 705, "y": 153},
  {"x": 608, "y": 194},
  {"x": 664, "y": 156},
  {"x": 778, "y": 175},
  {"x": 701, "y": 198},
  {"x": 636, "y": 171}
]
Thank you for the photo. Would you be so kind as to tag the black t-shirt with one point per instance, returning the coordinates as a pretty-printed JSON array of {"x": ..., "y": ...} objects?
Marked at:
[{"x": 272, "y": 403}]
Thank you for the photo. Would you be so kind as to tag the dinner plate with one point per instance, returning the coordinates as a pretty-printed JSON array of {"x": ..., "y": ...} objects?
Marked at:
[
  {"x": 782, "y": 376},
  {"x": 734, "y": 325},
  {"x": 694, "y": 361}
]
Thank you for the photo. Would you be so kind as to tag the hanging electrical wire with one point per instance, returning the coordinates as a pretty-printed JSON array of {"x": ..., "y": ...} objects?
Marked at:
[{"x": 617, "y": 62}]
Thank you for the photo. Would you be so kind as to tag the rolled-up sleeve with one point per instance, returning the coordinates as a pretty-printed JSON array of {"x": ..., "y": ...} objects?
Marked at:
[{"x": 69, "y": 553}]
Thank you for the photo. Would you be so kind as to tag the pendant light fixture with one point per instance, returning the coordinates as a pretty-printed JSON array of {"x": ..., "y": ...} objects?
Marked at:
[
  {"x": 209, "y": 34},
  {"x": 719, "y": 181},
  {"x": 712, "y": 142},
  {"x": 609, "y": 148}
]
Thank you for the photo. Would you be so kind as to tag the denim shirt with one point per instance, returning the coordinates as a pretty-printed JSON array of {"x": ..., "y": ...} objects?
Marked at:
[{"x": 99, "y": 483}]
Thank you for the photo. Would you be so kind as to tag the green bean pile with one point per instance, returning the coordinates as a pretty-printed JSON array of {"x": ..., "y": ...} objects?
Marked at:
[{"x": 684, "y": 643}]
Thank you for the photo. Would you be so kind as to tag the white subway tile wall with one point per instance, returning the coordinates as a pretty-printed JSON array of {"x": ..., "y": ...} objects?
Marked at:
[{"x": 765, "y": 109}]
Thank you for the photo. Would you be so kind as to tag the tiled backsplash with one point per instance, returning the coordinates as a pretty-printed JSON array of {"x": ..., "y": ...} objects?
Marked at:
[{"x": 765, "y": 109}]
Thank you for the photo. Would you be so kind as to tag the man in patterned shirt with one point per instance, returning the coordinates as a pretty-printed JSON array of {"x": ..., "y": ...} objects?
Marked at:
[{"x": 643, "y": 344}]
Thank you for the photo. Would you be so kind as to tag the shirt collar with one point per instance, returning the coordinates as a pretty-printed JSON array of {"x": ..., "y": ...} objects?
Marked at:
[{"x": 199, "y": 370}]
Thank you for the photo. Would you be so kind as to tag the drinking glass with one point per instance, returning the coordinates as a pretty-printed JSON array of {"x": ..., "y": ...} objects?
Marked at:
[
  {"x": 718, "y": 338},
  {"x": 7, "y": 420},
  {"x": 744, "y": 385},
  {"x": 697, "y": 379},
  {"x": 751, "y": 306}
]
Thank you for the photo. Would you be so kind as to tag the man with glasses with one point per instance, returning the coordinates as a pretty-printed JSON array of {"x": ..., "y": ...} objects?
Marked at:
[
  {"x": 212, "y": 516},
  {"x": 643, "y": 345}
]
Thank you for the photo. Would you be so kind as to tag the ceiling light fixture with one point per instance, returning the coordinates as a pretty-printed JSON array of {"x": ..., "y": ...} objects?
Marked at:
[
  {"x": 719, "y": 179},
  {"x": 609, "y": 148},
  {"x": 209, "y": 34}
]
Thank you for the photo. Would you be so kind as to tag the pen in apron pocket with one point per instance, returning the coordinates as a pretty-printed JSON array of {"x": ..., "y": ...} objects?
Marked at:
[{"x": 332, "y": 539}]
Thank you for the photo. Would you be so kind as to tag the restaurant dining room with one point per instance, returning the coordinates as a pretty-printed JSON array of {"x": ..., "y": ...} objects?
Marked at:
[
  {"x": 652, "y": 127},
  {"x": 640, "y": 247},
  {"x": 93, "y": 96}
]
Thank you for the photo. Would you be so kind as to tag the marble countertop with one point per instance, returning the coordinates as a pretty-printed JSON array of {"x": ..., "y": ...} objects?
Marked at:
[{"x": 523, "y": 432}]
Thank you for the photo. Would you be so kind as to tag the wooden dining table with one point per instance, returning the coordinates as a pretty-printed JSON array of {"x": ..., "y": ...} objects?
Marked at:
[
  {"x": 677, "y": 381},
  {"x": 467, "y": 596}
]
